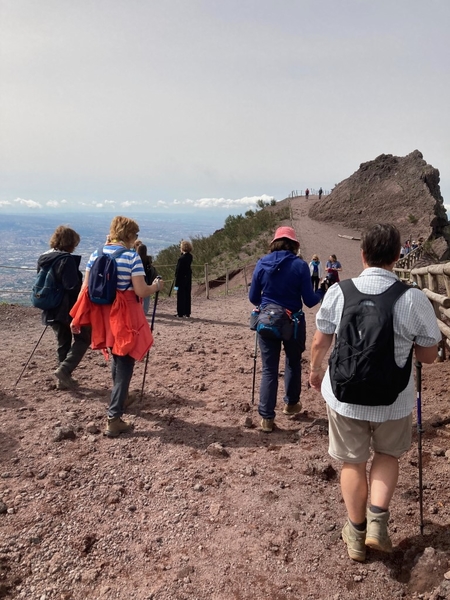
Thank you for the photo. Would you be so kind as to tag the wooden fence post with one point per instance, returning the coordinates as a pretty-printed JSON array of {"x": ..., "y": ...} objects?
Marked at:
[
  {"x": 227, "y": 276},
  {"x": 206, "y": 281}
]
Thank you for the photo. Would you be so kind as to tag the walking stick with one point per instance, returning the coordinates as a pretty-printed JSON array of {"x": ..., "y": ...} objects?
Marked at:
[
  {"x": 171, "y": 288},
  {"x": 34, "y": 350},
  {"x": 419, "y": 433},
  {"x": 148, "y": 352},
  {"x": 254, "y": 366}
]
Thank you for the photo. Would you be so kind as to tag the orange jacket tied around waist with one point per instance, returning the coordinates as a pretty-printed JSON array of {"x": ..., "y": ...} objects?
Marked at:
[{"x": 121, "y": 326}]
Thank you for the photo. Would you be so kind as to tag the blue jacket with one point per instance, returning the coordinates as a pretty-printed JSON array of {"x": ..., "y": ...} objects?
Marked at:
[{"x": 283, "y": 278}]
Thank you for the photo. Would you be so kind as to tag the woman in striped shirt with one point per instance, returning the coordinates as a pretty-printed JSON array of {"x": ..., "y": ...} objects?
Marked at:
[{"x": 122, "y": 326}]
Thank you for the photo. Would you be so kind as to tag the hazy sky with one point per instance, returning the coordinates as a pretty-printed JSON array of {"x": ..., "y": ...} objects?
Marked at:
[{"x": 212, "y": 103}]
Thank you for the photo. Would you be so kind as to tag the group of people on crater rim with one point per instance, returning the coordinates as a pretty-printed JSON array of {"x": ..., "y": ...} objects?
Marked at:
[
  {"x": 367, "y": 434},
  {"x": 410, "y": 245},
  {"x": 333, "y": 267}
]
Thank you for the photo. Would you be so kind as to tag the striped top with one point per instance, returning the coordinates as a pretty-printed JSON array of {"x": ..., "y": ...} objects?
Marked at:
[
  {"x": 129, "y": 264},
  {"x": 414, "y": 321}
]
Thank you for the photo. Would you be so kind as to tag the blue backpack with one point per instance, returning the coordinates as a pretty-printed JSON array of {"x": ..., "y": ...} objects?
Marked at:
[
  {"x": 102, "y": 284},
  {"x": 47, "y": 292}
]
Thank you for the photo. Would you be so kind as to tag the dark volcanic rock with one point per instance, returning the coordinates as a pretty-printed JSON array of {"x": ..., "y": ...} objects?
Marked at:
[{"x": 400, "y": 190}]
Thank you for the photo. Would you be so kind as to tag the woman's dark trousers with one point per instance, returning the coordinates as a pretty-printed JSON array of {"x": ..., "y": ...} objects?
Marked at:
[
  {"x": 71, "y": 353},
  {"x": 122, "y": 371},
  {"x": 270, "y": 356}
]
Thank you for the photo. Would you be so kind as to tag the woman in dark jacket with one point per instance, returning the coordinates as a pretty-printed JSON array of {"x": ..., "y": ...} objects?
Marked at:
[
  {"x": 283, "y": 279},
  {"x": 71, "y": 347},
  {"x": 150, "y": 272},
  {"x": 183, "y": 280}
]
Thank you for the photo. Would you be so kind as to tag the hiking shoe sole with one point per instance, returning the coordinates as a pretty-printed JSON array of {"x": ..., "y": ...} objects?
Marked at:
[{"x": 381, "y": 545}]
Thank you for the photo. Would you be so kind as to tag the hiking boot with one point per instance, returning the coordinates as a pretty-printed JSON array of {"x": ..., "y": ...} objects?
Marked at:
[
  {"x": 292, "y": 409},
  {"x": 130, "y": 399},
  {"x": 65, "y": 379},
  {"x": 355, "y": 541},
  {"x": 267, "y": 425},
  {"x": 377, "y": 534},
  {"x": 116, "y": 426}
]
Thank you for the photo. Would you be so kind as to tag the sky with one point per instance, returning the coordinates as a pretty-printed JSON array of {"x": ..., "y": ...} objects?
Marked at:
[{"x": 208, "y": 105}]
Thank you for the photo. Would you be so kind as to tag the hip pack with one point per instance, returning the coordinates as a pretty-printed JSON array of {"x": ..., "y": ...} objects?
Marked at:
[{"x": 277, "y": 323}]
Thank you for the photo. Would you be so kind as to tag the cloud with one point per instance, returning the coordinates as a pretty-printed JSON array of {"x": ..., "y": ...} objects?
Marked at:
[
  {"x": 190, "y": 204},
  {"x": 28, "y": 203},
  {"x": 246, "y": 201}
]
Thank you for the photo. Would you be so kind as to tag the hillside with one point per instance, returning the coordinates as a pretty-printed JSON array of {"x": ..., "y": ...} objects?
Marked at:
[
  {"x": 197, "y": 503},
  {"x": 401, "y": 190}
]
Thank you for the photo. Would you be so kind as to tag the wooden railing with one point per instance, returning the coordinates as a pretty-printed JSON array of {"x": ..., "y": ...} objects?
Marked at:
[{"x": 434, "y": 281}]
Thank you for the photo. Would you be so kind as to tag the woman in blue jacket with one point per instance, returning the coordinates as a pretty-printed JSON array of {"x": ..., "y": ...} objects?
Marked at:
[{"x": 283, "y": 279}]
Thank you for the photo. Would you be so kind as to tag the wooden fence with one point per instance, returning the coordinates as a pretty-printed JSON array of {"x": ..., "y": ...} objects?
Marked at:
[{"x": 434, "y": 281}]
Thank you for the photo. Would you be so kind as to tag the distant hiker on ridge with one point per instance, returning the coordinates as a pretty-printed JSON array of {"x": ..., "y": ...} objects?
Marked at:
[{"x": 307, "y": 193}]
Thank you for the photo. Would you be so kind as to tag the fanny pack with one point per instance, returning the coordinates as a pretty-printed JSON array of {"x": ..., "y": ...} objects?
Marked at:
[{"x": 278, "y": 323}]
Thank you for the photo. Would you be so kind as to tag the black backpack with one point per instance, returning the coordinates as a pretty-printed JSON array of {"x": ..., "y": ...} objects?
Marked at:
[
  {"x": 362, "y": 364},
  {"x": 47, "y": 292},
  {"x": 102, "y": 283}
]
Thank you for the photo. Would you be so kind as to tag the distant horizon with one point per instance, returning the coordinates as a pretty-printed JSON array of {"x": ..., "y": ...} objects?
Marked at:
[{"x": 144, "y": 209}]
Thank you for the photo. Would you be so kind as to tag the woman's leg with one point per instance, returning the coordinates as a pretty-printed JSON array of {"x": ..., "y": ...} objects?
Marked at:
[
  {"x": 81, "y": 342},
  {"x": 122, "y": 371},
  {"x": 270, "y": 357},
  {"x": 63, "y": 338},
  {"x": 292, "y": 371}
]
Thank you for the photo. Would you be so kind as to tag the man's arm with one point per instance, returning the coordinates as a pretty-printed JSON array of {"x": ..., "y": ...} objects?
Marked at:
[
  {"x": 320, "y": 346},
  {"x": 426, "y": 354}
]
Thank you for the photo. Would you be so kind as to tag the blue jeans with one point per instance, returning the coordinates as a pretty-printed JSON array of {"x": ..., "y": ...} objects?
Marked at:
[
  {"x": 270, "y": 356},
  {"x": 122, "y": 371}
]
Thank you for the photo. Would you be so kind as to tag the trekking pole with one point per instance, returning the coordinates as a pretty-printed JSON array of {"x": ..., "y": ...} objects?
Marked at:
[
  {"x": 171, "y": 288},
  {"x": 419, "y": 433},
  {"x": 254, "y": 366},
  {"x": 151, "y": 329},
  {"x": 31, "y": 355}
]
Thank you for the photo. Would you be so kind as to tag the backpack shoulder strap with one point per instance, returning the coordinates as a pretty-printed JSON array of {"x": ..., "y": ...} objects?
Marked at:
[
  {"x": 118, "y": 252},
  {"x": 388, "y": 298}
]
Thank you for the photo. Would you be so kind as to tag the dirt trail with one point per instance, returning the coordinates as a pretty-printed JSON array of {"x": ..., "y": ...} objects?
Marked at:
[{"x": 197, "y": 503}]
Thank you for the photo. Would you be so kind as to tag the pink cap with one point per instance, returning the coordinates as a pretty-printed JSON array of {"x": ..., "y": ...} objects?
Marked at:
[{"x": 285, "y": 232}]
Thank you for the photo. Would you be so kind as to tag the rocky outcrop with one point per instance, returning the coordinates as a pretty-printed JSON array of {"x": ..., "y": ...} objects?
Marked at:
[{"x": 400, "y": 190}]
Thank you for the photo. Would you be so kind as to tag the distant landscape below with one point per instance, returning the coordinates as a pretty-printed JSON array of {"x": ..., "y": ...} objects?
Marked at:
[{"x": 25, "y": 237}]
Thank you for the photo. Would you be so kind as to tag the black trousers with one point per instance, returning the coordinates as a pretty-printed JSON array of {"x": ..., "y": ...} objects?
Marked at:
[
  {"x": 71, "y": 347},
  {"x": 184, "y": 300}
]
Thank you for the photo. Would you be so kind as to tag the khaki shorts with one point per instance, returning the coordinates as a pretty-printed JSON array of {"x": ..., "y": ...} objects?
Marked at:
[{"x": 350, "y": 440}]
